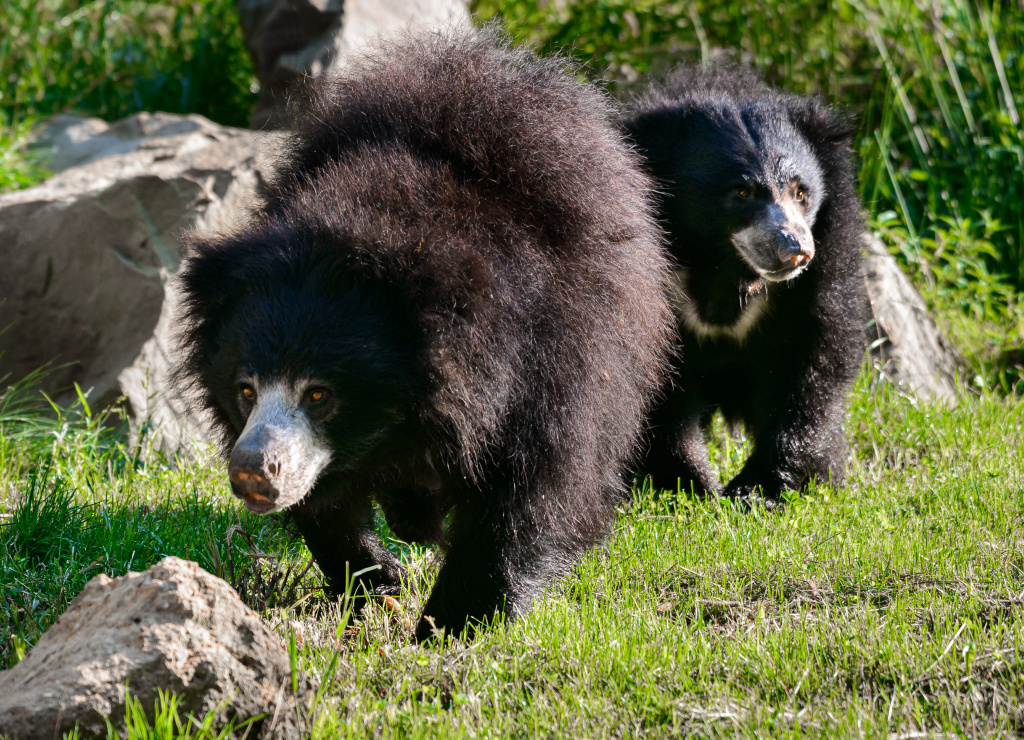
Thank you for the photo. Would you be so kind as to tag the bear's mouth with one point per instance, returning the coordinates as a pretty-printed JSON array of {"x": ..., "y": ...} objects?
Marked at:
[
  {"x": 787, "y": 272},
  {"x": 280, "y": 454},
  {"x": 258, "y": 504},
  {"x": 778, "y": 245}
]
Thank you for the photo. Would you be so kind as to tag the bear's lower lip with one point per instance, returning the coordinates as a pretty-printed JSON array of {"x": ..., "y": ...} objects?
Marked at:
[
  {"x": 258, "y": 504},
  {"x": 783, "y": 273}
]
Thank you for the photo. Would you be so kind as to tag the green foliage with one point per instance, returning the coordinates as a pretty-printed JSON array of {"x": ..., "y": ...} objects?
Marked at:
[
  {"x": 976, "y": 308},
  {"x": 111, "y": 58},
  {"x": 946, "y": 108},
  {"x": 18, "y": 168}
]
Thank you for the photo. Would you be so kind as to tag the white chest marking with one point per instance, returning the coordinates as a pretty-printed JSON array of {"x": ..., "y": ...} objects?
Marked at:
[{"x": 754, "y": 309}]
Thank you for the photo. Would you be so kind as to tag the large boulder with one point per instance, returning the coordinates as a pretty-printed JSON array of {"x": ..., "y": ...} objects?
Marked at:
[
  {"x": 174, "y": 628},
  {"x": 72, "y": 141},
  {"x": 86, "y": 254},
  {"x": 293, "y": 39}
]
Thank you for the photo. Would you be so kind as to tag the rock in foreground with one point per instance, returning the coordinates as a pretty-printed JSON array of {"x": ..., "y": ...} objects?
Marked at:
[{"x": 174, "y": 627}]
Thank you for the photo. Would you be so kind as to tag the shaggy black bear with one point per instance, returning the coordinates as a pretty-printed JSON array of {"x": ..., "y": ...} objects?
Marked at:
[
  {"x": 451, "y": 303},
  {"x": 758, "y": 196}
]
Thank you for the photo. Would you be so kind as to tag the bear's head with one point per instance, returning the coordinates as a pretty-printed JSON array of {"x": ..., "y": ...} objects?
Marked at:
[
  {"x": 303, "y": 369},
  {"x": 742, "y": 187}
]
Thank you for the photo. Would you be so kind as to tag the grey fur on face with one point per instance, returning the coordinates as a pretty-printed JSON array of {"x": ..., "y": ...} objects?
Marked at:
[{"x": 280, "y": 455}]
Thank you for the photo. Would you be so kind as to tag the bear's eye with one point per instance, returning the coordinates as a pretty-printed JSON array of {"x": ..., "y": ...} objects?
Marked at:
[
  {"x": 801, "y": 195},
  {"x": 249, "y": 392},
  {"x": 745, "y": 191},
  {"x": 317, "y": 396}
]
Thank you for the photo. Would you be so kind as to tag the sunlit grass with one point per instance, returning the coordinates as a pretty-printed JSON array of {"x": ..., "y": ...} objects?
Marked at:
[{"x": 893, "y": 605}]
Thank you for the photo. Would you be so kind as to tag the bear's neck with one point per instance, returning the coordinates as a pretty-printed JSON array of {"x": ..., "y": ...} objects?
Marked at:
[{"x": 718, "y": 303}]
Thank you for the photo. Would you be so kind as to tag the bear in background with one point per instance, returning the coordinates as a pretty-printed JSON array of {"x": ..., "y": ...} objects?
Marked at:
[
  {"x": 451, "y": 303},
  {"x": 758, "y": 197}
]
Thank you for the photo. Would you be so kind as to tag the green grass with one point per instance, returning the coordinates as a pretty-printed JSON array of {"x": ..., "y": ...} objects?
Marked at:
[
  {"x": 894, "y": 605},
  {"x": 112, "y": 58},
  {"x": 19, "y": 168}
]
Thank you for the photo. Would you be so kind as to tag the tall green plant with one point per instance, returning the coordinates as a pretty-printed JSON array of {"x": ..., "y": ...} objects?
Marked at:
[{"x": 111, "y": 58}]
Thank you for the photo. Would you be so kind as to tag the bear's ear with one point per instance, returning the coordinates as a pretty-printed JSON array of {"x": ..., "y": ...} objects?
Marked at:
[{"x": 819, "y": 122}]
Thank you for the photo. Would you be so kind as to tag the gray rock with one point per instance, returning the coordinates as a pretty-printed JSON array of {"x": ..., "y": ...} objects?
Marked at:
[
  {"x": 165, "y": 420},
  {"x": 173, "y": 628},
  {"x": 72, "y": 141},
  {"x": 907, "y": 346},
  {"x": 86, "y": 253}
]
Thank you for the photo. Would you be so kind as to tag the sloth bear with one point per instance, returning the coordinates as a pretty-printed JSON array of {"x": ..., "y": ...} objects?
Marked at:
[
  {"x": 758, "y": 197},
  {"x": 451, "y": 303}
]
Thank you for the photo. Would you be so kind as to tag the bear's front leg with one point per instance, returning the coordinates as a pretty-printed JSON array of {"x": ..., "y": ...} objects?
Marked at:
[
  {"x": 339, "y": 532},
  {"x": 806, "y": 443},
  {"x": 677, "y": 458},
  {"x": 504, "y": 550}
]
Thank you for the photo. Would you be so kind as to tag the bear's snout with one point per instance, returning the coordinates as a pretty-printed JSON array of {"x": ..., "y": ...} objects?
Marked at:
[
  {"x": 793, "y": 250},
  {"x": 252, "y": 479}
]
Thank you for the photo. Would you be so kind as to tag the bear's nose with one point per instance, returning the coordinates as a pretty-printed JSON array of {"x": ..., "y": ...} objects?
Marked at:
[
  {"x": 792, "y": 252},
  {"x": 251, "y": 481}
]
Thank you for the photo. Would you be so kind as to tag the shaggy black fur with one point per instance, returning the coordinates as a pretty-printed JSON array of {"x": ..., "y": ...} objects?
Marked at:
[
  {"x": 461, "y": 244},
  {"x": 777, "y": 356}
]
